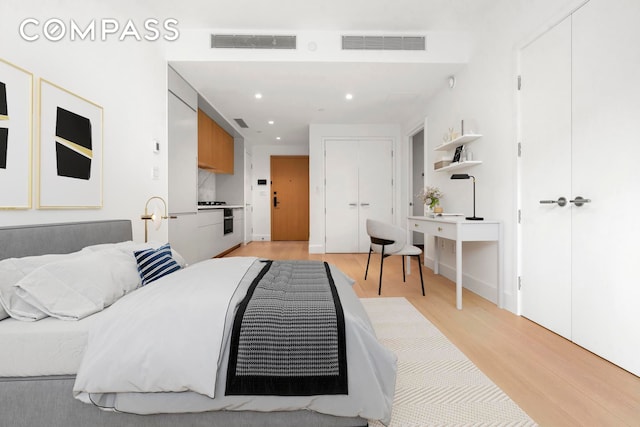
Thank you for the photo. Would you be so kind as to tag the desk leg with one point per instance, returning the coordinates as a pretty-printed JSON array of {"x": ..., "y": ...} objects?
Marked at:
[
  {"x": 459, "y": 274},
  {"x": 436, "y": 256},
  {"x": 500, "y": 269},
  {"x": 408, "y": 261}
]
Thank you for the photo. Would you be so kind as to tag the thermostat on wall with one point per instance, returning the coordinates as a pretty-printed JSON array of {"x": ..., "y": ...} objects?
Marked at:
[{"x": 262, "y": 182}]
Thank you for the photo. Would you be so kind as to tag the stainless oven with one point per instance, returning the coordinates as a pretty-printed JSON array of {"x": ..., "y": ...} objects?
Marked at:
[{"x": 228, "y": 221}]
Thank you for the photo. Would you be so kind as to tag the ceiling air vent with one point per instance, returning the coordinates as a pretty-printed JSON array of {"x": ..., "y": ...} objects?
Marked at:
[
  {"x": 384, "y": 43},
  {"x": 241, "y": 123},
  {"x": 248, "y": 41}
]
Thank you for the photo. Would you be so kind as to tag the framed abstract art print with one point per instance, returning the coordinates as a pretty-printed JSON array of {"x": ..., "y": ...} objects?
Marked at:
[
  {"x": 70, "y": 150},
  {"x": 16, "y": 124}
]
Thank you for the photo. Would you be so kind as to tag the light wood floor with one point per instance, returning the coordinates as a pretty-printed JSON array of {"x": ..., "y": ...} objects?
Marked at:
[{"x": 556, "y": 382}]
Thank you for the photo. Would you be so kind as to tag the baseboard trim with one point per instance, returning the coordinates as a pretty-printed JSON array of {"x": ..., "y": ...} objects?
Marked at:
[{"x": 486, "y": 290}]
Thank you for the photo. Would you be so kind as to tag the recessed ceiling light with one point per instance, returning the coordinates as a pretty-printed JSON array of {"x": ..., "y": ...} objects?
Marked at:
[
  {"x": 270, "y": 122},
  {"x": 258, "y": 96},
  {"x": 278, "y": 138},
  {"x": 349, "y": 97}
]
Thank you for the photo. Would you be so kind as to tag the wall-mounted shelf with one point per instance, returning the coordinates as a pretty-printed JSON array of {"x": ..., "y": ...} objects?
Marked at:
[
  {"x": 459, "y": 165},
  {"x": 464, "y": 139}
]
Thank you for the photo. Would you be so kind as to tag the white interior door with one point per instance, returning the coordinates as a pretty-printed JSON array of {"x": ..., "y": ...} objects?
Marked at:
[
  {"x": 341, "y": 196},
  {"x": 375, "y": 186},
  {"x": 606, "y": 150},
  {"x": 546, "y": 175},
  {"x": 248, "y": 198}
]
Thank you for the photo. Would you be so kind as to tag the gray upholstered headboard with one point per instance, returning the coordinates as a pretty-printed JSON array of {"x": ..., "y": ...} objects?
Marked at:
[{"x": 39, "y": 239}]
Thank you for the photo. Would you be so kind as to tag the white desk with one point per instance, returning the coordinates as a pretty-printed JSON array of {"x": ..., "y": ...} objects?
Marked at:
[{"x": 460, "y": 230}]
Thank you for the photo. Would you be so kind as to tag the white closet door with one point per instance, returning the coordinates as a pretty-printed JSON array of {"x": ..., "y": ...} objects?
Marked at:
[
  {"x": 546, "y": 175},
  {"x": 606, "y": 150},
  {"x": 376, "y": 187},
  {"x": 341, "y": 196}
]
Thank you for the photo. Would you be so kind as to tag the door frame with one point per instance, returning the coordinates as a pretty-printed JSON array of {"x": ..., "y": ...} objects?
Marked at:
[
  {"x": 557, "y": 19},
  {"x": 396, "y": 166},
  {"x": 408, "y": 205}
]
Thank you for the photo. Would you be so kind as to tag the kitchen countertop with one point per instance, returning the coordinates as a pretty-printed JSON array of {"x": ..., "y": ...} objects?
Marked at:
[{"x": 206, "y": 208}]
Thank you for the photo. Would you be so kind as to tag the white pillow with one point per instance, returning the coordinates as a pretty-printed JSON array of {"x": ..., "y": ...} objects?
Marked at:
[
  {"x": 74, "y": 288},
  {"x": 13, "y": 270},
  {"x": 131, "y": 247}
]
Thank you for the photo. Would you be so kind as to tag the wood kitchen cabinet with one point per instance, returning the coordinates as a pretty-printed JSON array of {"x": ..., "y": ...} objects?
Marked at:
[{"x": 215, "y": 146}]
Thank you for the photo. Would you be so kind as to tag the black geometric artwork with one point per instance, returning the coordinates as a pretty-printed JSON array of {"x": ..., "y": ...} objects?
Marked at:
[
  {"x": 4, "y": 143},
  {"x": 3, "y": 100},
  {"x": 4, "y": 132},
  {"x": 73, "y": 145}
]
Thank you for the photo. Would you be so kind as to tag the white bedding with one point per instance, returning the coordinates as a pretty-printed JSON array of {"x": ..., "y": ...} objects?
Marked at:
[
  {"x": 164, "y": 349},
  {"x": 46, "y": 347}
]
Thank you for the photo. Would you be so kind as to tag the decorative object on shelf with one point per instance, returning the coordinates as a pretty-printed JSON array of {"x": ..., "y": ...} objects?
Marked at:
[
  {"x": 16, "y": 112},
  {"x": 453, "y": 134},
  {"x": 156, "y": 216},
  {"x": 458, "y": 154},
  {"x": 467, "y": 176},
  {"x": 431, "y": 196},
  {"x": 70, "y": 150},
  {"x": 441, "y": 164}
]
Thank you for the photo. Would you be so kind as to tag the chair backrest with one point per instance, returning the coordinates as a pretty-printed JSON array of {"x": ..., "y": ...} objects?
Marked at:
[{"x": 383, "y": 230}]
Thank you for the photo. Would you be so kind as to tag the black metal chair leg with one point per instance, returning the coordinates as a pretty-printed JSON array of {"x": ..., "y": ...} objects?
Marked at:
[
  {"x": 368, "y": 259},
  {"x": 420, "y": 269},
  {"x": 381, "y": 264},
  {"x": 403, "y": 276}
]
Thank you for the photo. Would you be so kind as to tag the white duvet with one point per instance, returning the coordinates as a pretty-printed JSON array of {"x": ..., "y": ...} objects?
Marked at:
[{"x": 164, "y": 349}]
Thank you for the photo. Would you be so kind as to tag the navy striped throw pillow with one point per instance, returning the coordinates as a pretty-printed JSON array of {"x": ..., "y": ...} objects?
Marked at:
[{"x": 155, "y": 263}]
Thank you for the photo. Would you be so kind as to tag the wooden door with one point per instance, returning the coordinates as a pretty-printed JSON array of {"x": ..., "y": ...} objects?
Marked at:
[
  {"x": 546, "y": 175},
  {"x": 606, "y": 150},
  {"x": 289, "y": 197}
]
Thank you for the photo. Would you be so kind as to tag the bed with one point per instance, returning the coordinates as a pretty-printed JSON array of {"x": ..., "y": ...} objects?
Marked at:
[{"x": 48, "y": 368}]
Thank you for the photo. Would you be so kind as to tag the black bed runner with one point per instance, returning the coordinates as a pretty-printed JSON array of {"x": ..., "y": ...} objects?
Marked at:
[{"x": 288, "y": 334}]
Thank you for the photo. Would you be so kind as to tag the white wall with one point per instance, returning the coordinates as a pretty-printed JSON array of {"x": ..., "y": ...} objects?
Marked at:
[
  {"x": 261, "y": 158},
  {"x": 485, "y": 97},
  {"x": 317, "y": 134},
  {"x": 128, "y": 79}
]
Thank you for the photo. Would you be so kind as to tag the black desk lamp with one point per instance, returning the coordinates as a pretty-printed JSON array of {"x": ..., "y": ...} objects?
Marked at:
[{"x": 467, "y": 176}]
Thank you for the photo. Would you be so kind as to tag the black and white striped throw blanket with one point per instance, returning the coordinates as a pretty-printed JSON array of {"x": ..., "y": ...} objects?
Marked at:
[{"x": 288, "y": 334}]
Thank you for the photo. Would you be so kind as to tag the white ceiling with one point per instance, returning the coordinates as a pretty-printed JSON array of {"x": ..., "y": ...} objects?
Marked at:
[{"x": 296, "y": 94}]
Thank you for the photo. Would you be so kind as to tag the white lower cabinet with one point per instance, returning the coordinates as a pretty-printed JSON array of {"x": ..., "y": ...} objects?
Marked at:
[
  {"x": 211, "y": 238},
  {"x": 210, "y": 233},
  {"x": 183, "y": 234}
]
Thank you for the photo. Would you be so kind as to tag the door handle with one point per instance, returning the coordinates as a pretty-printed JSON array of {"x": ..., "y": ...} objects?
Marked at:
[
  {"x": 364, "y": 204},
  {"x": 353, "y": 204},
  {"x": 275, "y": 201},
  {"x": 561, "y": 202},
  {"x": 579, "y": 201}
]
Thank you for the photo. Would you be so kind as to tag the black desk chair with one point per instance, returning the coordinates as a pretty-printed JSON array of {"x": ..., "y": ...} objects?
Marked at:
[{"x": 387, "y": 240}]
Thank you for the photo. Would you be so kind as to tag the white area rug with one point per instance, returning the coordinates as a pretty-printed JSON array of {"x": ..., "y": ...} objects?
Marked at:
[{"x": 436, "y": 385}]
